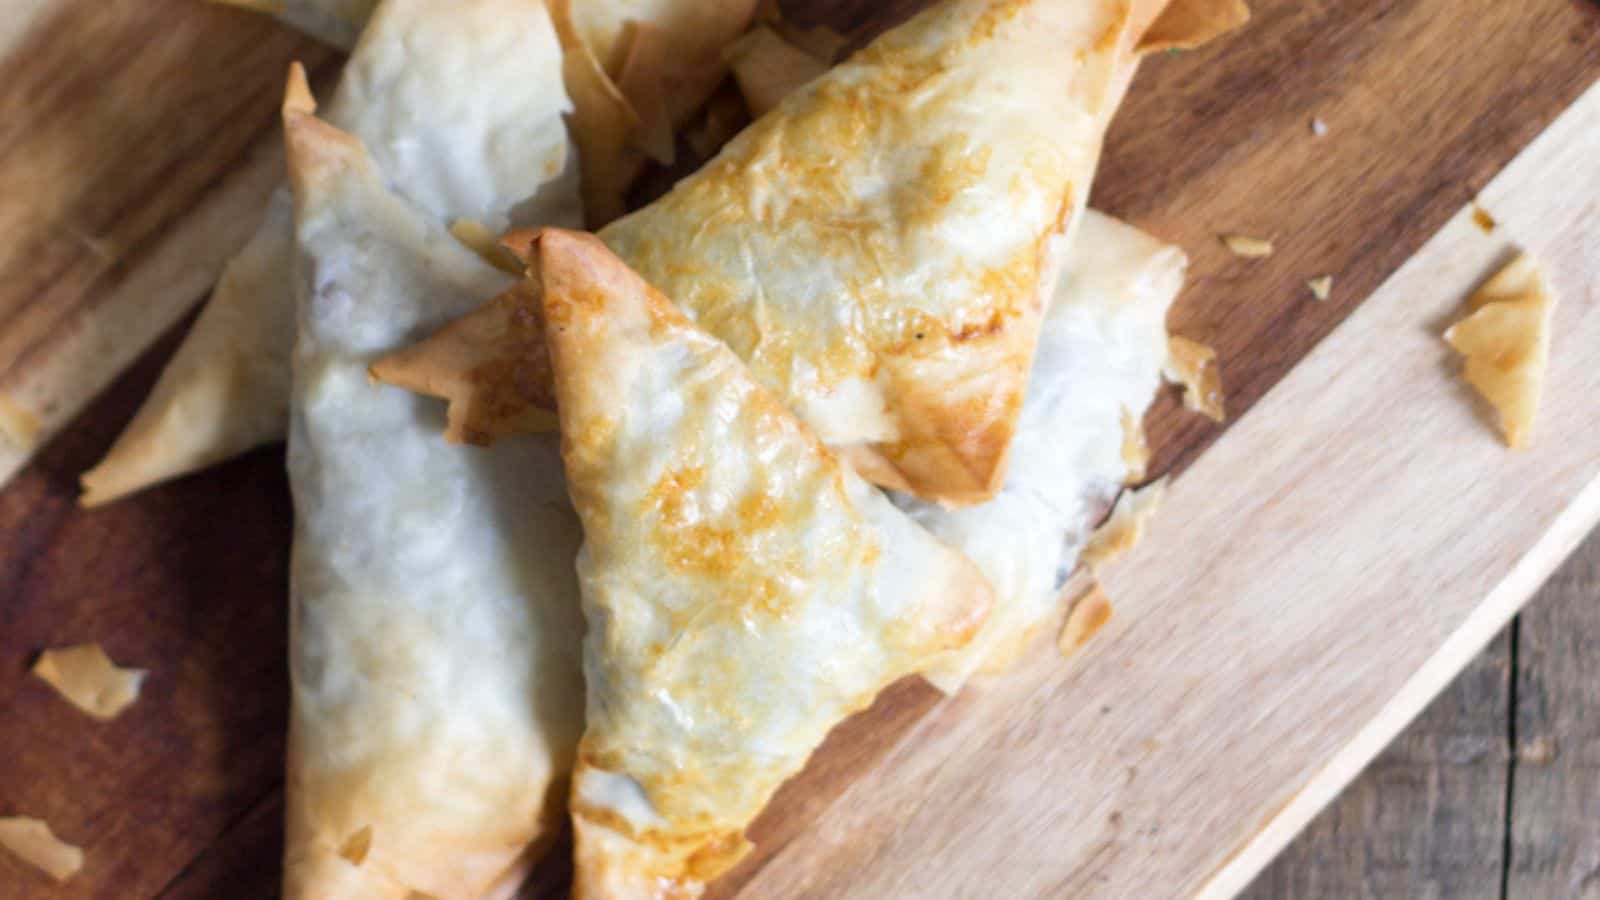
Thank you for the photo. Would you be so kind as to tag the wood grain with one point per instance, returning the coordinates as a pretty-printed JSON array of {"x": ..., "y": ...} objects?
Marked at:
[
  {"x": 149, "y": 791},
  {"x": 1427, "y": 818},
  {"x": 108, "y": 132},
  {"x": 138, "y": 149},
  {"x": 1555, "y": 835},
  {"x": 1451, "y": 839}
]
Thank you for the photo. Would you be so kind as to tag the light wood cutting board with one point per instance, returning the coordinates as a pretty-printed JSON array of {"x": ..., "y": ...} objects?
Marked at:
[{"x": 1322, "y": 566}]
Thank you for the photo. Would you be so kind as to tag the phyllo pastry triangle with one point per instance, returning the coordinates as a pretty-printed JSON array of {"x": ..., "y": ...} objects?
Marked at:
[
  {"x": 745, "y": 590},
  {"x": 461, "y": 103},
  {"x": 880, "y": 249},
  {"x": 435, "y": 623}
]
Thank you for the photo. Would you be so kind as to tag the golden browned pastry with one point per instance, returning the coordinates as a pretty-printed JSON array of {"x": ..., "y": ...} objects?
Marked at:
[
  {"x": 745, "y": 590},
  {"x": 881, "y": 248}
]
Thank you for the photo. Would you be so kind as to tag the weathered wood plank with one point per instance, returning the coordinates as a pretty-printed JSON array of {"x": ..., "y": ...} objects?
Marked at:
[
  {"x": 1555, "y": 800},
  {"x": 1426, "y": 819}
]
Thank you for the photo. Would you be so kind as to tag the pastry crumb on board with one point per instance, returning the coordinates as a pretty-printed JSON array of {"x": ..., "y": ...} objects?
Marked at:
[
  {"x": 1247, "y": 247},
  {"x": 89, "y": 680},
  {"x": 1505, "y": 342},
  {"x": 1088, "y": 615},
  {"x": 1193, "y": 366},
  {"x": 32, "y": 841},
  {"x": 1125, "y": 527}
]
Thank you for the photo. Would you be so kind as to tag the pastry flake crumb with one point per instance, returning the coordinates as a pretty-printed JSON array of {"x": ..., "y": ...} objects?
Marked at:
[
  {"x": 1482, "y": 219},
  {"x": 819, "y": 41},
  {"x": 18, "y": 424},
  {"x": 1247, "y": 247},
  {"x": 1318, "y": 127},
  {"x": 1185, "y": 26},
  {"x": 1088, "y": 615},
  {"x": 767, "y": 68},
  {"x": 1321, "y": 286},
  {"x": 725, "y": 114},
  {"x": 1193, "y": 366},
  {"x": 32, "y": 841},
  {"x": 90, "y": 680},
  {"x": 477, "y": 237},
  {"x": 1135, "y": 448},
  {"x": 1505, "y": 340},
  {"x": 642, "y": 81},
  {"x": 1124, "y": 528},
  {"x": 355, "y": 848}
]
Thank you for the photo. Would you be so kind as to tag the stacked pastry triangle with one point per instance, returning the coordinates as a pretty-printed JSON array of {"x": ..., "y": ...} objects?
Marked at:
[{"x": 839, "y": 408}]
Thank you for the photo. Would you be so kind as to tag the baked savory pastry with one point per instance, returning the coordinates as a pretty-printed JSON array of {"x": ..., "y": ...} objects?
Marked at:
[
  {"x": 1098, "y": 366},
  {"x": 461, "y": 104},
  {"x": 1078, "y": 440},
  {"x": 745, "y": 590},
  {"x": 881, "y": 247},
  {"x": 435, "y": 623}
]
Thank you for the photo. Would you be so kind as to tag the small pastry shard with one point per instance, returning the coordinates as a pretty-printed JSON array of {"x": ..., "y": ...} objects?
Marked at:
[
  {"x": 819, "y": 41},
  {"x": 90, "y": 680},
  {"x": 1135, "y": 448},
  {"x": 32, "y": 841},
  {"x": 636, "y": 73},
  {"x": 1186, "y": 24},
  {"x": 19, "y": 426},
  {"x": 1506, "y": 342},
  {"x": 477, "y": 237},
  {"x": 768, "y": 68},
  {"x": 357, "y": 846},
  {"x": 641, "y": 79},
  {"x": 1088, "y": 615},
  {"x": 1247, "y": 247},
  {"x": 1321, "y": 286},
  {"x": 1193, "y": 366},
  {"x": 491, "y": 365},
  {"x": 724, "y": 116},
  {"x": 745, "y": 590},
  {"x": 1125, "y": 527}
]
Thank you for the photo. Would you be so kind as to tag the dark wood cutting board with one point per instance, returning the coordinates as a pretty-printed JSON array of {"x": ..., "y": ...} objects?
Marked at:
[{"x": 137, "y": 137}]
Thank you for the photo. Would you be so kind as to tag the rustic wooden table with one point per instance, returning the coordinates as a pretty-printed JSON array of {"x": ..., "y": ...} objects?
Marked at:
[
  {"x": 153, "y": 179},
  {"x": 1495, "y": 791}
]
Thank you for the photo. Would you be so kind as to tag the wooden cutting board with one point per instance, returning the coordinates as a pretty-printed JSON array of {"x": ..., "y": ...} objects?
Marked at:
[{"x": 1323, "y": 564}]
